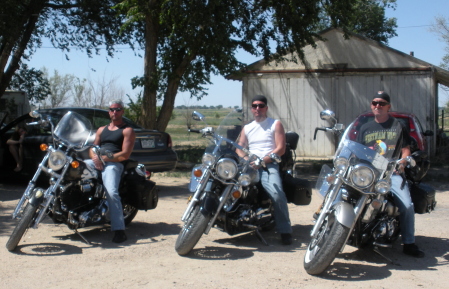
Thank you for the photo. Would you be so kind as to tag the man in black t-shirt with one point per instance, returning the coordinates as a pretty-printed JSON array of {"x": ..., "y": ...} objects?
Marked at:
[{"x": 381, "y": 135}]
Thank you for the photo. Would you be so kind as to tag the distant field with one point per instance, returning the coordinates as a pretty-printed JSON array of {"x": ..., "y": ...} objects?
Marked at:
[{"x": 190, "y": 146}]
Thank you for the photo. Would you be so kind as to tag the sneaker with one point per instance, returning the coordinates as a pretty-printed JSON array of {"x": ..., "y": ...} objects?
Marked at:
[
  {"x": 286, "y": 239},
  {"x": 413, "y": 250},
  {"x": 119, "y": 236}
]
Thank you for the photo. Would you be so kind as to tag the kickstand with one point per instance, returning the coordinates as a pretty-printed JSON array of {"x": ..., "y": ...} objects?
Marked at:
[
  {"x": 261, "y": 238},
  {"x": 376, "y": 249},
  {"x": 82, "y": 237}
]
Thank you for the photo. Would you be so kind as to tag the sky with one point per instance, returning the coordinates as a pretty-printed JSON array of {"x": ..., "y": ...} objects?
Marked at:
[{"x": 414, "y": 18}]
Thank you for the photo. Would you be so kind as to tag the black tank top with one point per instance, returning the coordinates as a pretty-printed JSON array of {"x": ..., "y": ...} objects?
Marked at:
[{"x": 112, "y": 140}]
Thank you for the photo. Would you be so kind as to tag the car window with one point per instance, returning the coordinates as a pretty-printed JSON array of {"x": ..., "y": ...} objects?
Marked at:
[
  {"x": 405, "y": 122},
  {"x": 99, "y": 121},
  {"x": 418, "y": 126}
]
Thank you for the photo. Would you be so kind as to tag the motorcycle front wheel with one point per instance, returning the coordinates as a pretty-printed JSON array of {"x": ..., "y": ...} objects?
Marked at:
[
  {"x": 192, "y": 231},
  {"x": 323, "y": 249},
  {"x": 29, "y": 213}
]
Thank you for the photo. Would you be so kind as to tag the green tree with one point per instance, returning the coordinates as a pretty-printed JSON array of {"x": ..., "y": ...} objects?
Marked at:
[
  {"x": 186, "y": 41},
  {"x": 368, "y": 19},
  {"x": 441, "y": 28},
  {"x": 86, "y": 25},
  {"x": 32, "y": 81}
]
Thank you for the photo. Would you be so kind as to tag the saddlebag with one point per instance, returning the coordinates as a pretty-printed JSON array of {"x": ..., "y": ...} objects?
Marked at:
[
  {"x": 423, "y": 198},
  {"x": 140, "y": 192},
  {"x": 297, "y": 191}
]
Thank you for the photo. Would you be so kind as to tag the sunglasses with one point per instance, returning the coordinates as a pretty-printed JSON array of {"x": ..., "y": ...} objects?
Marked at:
[
  {"x": 381, "y": 103},
  {"x": 260, "y": 105},
  {"x": 112, "y": 109}
]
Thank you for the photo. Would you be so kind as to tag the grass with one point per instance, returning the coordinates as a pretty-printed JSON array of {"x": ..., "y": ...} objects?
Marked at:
[{"x": 190, "y": 146}]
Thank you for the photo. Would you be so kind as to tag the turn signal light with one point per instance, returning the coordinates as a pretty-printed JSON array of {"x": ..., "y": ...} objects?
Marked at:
[
  {"x": 75, "y": 164},
  {"x": 236, "y": 194},
  {"x": 197, "y": 173},
  {"x": 43, "y": 147},
  {"x": 376, "y": 204}
]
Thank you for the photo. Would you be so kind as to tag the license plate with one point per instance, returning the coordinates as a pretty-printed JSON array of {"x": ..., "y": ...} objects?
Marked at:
[{"x": 147, "y": 143}]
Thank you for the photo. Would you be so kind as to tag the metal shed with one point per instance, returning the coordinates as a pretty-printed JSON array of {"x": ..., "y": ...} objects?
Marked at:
[{"x": 342, "y": 75}]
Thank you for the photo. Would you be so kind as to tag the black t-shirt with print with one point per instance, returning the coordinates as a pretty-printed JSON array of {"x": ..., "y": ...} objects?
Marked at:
[{"x": 384, "y": 137}]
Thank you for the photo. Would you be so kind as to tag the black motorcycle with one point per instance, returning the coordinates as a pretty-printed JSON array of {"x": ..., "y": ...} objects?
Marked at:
[
  {"x": 75, "y": 195},
  {"x": 358, "y": 207},
  {"x": 224, "y": 190}
]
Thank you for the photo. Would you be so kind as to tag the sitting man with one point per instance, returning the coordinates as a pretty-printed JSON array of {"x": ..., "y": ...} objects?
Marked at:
[
  {"x": 378, "y": 131},
  {"x": 116, "y": 141},
  {"x": 265, "y": 136}
]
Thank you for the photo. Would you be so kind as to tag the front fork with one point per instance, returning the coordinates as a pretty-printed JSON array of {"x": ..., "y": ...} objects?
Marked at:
[
  {"x": 32, "y": 184},
  {"x": 196, "y": 196}
]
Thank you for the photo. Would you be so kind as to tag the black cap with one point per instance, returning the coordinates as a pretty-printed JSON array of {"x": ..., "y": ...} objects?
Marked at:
[
  {"x": 383, "y": 95},
  {"x": 260, "y": 98}
]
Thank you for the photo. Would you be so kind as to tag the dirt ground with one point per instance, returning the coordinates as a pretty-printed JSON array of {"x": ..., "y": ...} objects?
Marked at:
[{"x": 55, "y": 257}]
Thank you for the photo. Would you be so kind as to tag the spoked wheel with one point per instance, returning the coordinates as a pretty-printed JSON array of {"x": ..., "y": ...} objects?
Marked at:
[
  {"x": 192, "y": 231},
  {"x": 323, "y": 249},
  {"x": 129, "y": 213},
  {"x": 28, "y": 216}
]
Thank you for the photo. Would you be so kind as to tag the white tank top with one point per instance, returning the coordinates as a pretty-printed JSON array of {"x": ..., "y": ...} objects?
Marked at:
[{"x": 260, "y": 136}]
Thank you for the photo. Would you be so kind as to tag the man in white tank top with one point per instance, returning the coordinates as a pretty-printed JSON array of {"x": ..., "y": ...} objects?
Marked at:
[{"x": 265, "y": 136}]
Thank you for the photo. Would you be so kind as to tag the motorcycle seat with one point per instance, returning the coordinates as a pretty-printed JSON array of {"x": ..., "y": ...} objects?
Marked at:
[{"x": 129, "y": 164}]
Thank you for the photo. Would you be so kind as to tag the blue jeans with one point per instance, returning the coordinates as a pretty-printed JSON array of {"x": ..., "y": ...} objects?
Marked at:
[
  {"x": 404, "y": 202},
  {"x": 272, "y": 183},
  {"x": 111, "y": 175}
]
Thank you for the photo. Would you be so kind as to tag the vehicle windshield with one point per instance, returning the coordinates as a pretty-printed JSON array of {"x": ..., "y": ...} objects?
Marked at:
[
  {"x": 377, "y": 148},
  {"x": 231, "y": 125},
  {"x": 74, "y": 130}
]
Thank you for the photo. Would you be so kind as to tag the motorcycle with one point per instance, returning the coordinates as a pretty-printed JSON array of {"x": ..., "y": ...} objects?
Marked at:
[
  {"x": 75, "y": 195},
  {"x": 224, "y": 190},
  {"x": 358, "y": 207}
]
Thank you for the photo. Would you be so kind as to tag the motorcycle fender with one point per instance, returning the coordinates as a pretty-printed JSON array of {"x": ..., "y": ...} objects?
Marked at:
[
  {"x": 344, "y": 213},
  {"x": 210, "y": 204},
  {"x": 37, "y": 198}
]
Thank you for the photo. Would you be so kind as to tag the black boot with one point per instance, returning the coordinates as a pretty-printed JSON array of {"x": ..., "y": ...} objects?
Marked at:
[
  {"x": 286, "y": 239},
  {"x": 413, "y": 250},
  {"x": 119, "y": 236}
]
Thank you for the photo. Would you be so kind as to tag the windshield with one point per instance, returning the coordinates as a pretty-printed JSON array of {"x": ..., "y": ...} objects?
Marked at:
[
  {"x": 372, "y": 143},
  {"x": 73, "y": 129},
  {"x": 231, "y": 126}
]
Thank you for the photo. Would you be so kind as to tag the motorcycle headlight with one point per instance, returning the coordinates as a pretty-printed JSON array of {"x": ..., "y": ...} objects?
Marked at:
[
  {"x": 226, "y": 168},
  {"x": 341, "y": 164},
  {"x": 208, "y": 159},
  {"x": 56, "y": 160},
  {"x": 245, "y": 179},
  {"x": 362, "y": 176},
  {"x": 382, "y": 187}
]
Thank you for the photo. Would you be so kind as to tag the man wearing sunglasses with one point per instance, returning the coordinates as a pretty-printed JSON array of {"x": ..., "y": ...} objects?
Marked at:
[
  {"x": 370, "y": 136},
  {"x": 116, "y": 141},
  {"x": 266, "y": 136}
]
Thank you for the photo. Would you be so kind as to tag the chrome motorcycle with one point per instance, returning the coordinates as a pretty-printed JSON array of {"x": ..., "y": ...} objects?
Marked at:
[
  {"x": 358, "y": 207},
  {"x": 75, "y": 195},
  {"x": 225, "y": 191}
]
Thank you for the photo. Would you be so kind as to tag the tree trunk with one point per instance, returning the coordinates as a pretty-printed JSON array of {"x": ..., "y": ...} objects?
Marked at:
[
  {"x": 150, "y": 65},
  {"x": 29, "y": 21}
]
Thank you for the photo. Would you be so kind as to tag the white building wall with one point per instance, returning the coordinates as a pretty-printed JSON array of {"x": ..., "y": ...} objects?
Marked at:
[{"x": 297, "y": 100}]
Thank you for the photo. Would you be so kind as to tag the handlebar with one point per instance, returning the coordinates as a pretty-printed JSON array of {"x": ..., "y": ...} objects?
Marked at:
[
  {"x": 321, "y": 128},
  {"x": 194, "y": 130}
]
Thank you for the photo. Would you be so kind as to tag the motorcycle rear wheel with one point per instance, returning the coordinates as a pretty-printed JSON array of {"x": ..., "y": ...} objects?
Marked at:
[
  {"x": 129, "y": 213},
  {"x": 29, "y": 213},
  {"x": 192, "y": 231},
  {"x": 323, "y": 249}
]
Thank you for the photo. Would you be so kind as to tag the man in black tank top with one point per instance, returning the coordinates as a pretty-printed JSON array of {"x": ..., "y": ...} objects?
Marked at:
[{"x": 116, "y": 141}]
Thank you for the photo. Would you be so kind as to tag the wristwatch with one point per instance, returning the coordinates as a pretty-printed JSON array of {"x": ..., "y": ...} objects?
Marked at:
[{"x": 110, "y": 155}]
